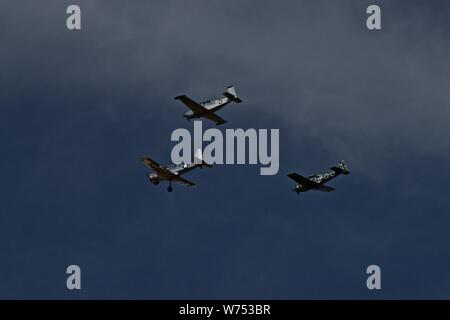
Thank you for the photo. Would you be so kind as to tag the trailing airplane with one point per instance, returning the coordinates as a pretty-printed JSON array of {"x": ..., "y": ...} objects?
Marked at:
[
  {"x": 317, "y": 181},
  {"x": 172, "y": 173},
  {"x": 208, "y": 108}
]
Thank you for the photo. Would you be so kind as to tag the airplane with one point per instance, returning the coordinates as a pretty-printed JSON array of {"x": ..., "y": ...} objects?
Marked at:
[
  {"x": 172, "y": 173},
  {"x": 317, "y": 181},
  {"x": 208, "y": 108}
]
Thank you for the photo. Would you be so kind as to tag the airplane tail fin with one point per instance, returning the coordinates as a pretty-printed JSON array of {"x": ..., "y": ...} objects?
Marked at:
[
  {"x": 198, "y": 159},
  {"x": 341, "y": 168},
  {"x": 231, "y": 94}
]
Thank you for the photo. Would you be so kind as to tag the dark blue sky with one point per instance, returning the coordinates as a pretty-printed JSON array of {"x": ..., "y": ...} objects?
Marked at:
[{"x": 78, "y": 109}]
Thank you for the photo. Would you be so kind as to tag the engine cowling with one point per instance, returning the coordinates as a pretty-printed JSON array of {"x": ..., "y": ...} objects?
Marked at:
[{"x": 153, "y": 179}]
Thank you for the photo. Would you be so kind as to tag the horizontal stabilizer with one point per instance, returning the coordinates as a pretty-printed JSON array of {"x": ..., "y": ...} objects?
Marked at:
[
  {"x": 198, "y": 158},
  {"x": 232, "y": 97},
  {"x": 340, "y": 170},
  {"x": 204, "y": 164}
]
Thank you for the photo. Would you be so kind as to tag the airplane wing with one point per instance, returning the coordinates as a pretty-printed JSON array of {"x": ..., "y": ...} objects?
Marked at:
[
  {"x": 166, "y": 172},
  {"x": 177, "y": 178},
  {"x": 158, "y": 168},
  {"x": 191, "y": 104},
  {"x": 151, "y": 163},
  {"x": 303, "y": 181},
  {"x": 325, "y": 189},
  {"x": 198, "y": 109},
  {"x": 213, "y": 117}
]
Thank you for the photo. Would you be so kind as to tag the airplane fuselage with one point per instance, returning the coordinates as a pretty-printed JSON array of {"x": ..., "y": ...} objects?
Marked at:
[
  {"x": 156, "y": 177},
  {"x": 320, "y": 178},
  {"x": 209, "y": 105}
]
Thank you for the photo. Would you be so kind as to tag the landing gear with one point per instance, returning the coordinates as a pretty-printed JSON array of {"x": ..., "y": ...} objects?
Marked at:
[{"x": 170, "y": 189}]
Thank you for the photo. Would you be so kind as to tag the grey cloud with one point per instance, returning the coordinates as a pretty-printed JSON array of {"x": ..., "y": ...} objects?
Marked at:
[{"x": 312, "y": 66}]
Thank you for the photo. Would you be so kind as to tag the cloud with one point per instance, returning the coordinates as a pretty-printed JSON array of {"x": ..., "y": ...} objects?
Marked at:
[{"x": 312, "y": 67}]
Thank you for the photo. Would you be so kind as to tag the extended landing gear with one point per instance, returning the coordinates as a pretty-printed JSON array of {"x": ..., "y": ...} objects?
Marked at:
[{"x": 170, "y": 189}]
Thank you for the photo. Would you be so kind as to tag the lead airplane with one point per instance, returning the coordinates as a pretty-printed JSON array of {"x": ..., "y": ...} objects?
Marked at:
[
  {"x": 173, "y": 172},
  {"x": 208, "y": 109},
  {"x": 317, "y": 181}
]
